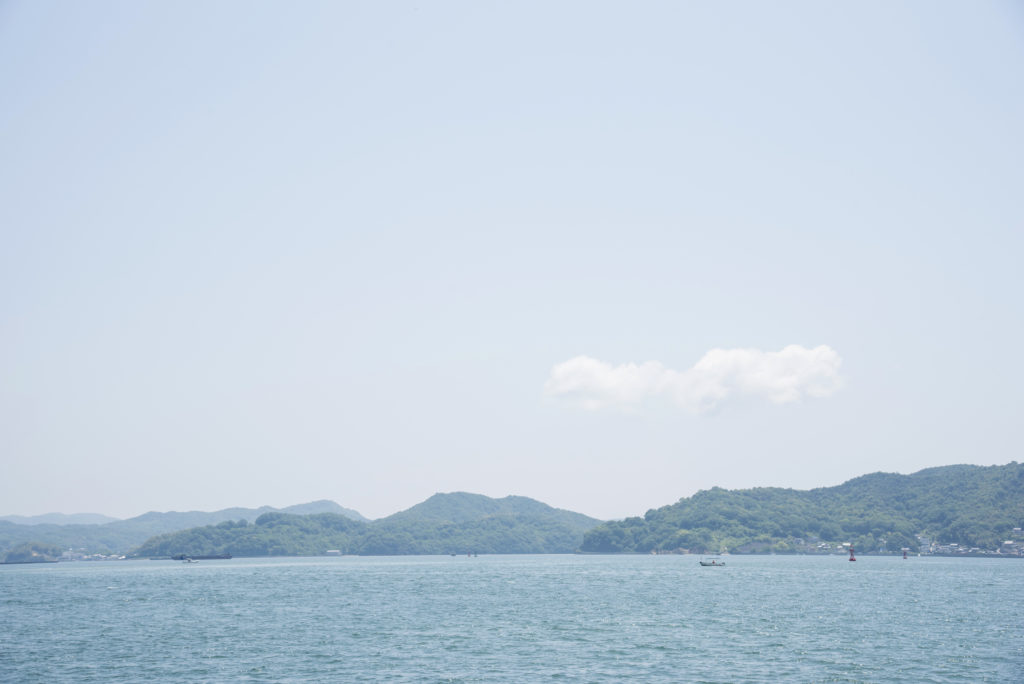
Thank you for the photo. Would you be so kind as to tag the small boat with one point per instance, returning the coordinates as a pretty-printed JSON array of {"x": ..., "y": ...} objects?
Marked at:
[{"x": 712, "y": 562}]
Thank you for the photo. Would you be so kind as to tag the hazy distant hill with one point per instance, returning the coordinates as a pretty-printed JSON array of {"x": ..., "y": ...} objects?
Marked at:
[
  {"x": 323, "y": 506},
  {"x": 445, "y": 523},
  {"x": 968, "y": 505},
  {"x": 460, "y": 507},
  {"x": 157, "y": 523},
  {"x": 59, "y": 519},
  {"x": 121, "y": 536}
]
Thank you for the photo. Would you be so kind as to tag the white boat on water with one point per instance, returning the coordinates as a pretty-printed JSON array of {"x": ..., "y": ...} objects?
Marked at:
[{"x": 712, "y": 562}]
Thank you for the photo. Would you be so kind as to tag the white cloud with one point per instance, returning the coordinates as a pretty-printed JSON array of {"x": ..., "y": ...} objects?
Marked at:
[{"x": 720, "y": 375}]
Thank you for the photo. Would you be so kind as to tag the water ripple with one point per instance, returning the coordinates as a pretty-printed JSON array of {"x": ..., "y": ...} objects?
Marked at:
[{"x": 515, "y": 618}]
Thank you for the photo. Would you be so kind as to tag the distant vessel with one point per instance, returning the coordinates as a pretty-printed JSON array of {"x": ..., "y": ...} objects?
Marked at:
[
  {"x": 713, "y": 562},
  {"x": 185, "y": 557}
]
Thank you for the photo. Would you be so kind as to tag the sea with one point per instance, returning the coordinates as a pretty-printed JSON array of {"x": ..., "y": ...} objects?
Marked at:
[{"x": 564, "y": 618}]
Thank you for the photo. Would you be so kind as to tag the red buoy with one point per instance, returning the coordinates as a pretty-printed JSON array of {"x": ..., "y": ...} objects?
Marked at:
[{"x": 851, "y": 553}]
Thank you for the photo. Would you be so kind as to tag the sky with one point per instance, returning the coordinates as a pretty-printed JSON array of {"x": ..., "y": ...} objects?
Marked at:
[{"x": 598, "y": 254}]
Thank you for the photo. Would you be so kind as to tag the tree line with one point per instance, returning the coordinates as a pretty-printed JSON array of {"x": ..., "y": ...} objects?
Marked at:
[{"x": 280, "y": 534}]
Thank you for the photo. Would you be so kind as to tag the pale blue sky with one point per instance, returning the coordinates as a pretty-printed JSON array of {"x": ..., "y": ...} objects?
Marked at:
[{"x": 265, "y": 253}]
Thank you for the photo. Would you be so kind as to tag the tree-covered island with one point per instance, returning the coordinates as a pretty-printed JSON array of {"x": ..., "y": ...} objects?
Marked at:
[{"x": 444, "y": 523}]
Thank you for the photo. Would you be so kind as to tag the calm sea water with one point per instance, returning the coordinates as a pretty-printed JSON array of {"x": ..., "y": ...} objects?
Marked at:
[{"x": 516, "y": 618}]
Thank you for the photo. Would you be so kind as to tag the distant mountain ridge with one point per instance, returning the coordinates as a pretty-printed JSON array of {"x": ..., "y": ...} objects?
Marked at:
[
  {"x": 59, "y": 519},
  {"x": 120, "y": 536},
  {"x": 445, "y": 523},
  {"x": 157, "y": 522}
]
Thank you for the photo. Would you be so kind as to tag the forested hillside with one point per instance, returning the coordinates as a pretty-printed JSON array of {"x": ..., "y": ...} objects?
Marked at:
[
  {"x": 463, "y": 507},
  {"x": 123, "y": 535},
  {"x": 972, "y": 506},
  {"x": 445, "y": 523}
]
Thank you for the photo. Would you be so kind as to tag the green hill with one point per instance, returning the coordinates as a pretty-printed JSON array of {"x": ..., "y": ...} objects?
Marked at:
[
  {"x": 971, "y": 506},
  {"x": 123, "y": 535},
  {"x": 272, "y": 534},
  {"x": 460, "y": 507},
  {"x": 445, "y": 523}
]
